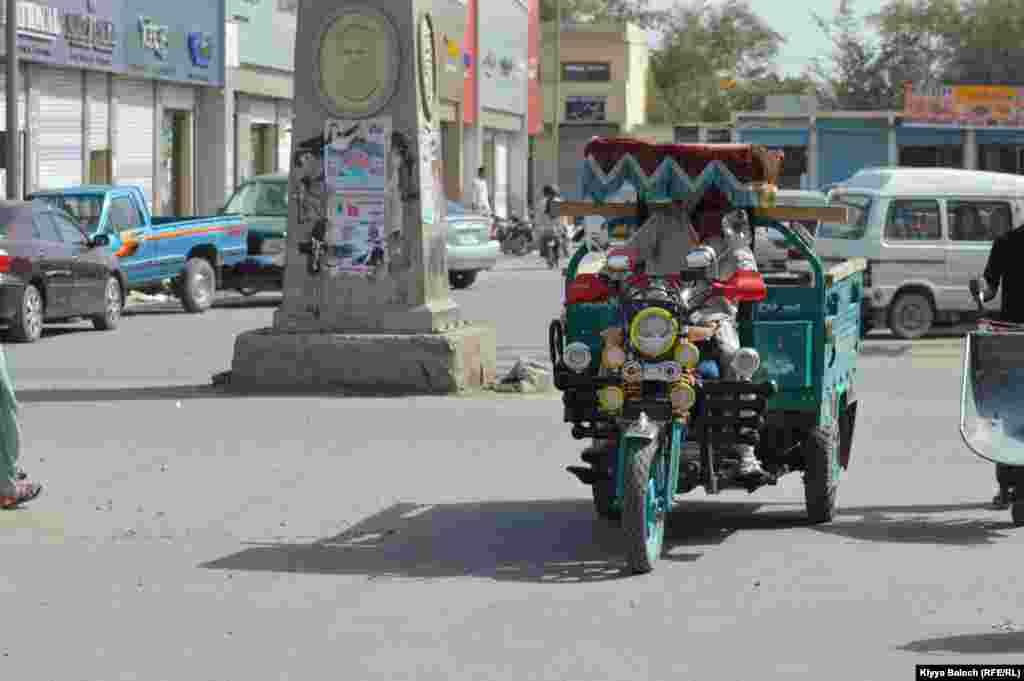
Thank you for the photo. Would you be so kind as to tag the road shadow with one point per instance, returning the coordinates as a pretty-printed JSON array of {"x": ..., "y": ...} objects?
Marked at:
[
  {"x": 50, "y": 331},
  {"x": 912, "y": 525},
  {"x": 550, "y": 541},
  {"x": 1004, "y": 642}
]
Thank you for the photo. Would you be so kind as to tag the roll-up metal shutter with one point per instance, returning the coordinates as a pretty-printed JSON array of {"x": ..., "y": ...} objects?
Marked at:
[
  {"x": 59, "y": 125},
  {"x": 98, "y": 91},
  {"x": 135, "y": 134},
  {"x": 3, "y": 102},
  {"x": 501, "y": 174},
  {"x": 844, "y": 151},
  {"x": 572, "y": 141},
  {"x": 179, "y": 97},
  {"x": 260, "y": 111},
  {"x": 284, "y": 136}
]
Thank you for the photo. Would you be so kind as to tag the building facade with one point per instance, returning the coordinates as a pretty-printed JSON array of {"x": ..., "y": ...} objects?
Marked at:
[
  {"x": 602, "y": 88},
  {"x": 827, "y": 147},
  {"x": 496, "y": 100},
  {"x": 111, "y": 91}
]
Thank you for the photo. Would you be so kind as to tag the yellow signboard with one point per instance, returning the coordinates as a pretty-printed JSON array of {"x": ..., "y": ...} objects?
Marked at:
[{"x": 973, "y": 105}]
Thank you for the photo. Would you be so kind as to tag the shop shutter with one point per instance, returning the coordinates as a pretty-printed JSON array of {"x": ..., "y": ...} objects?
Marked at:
[
  {"x": 59, "y": 124},
  {"x": 98, "y": 92},
  {"x": 284, "y": 136},
  {"x": 842, "y": 152},
  {"x": 178, "y": 97},
  {"x": 135, "y": 134},
  {"x": 501, "y": 174},
  {"x": 3, "y": 101},
  {"x": 572, "y": 141},
  {"x": 260, "y": 111}
]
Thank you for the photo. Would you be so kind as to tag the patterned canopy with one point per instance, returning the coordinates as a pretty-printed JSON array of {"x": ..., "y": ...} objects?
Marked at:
[{"x": 729, "y": 172}]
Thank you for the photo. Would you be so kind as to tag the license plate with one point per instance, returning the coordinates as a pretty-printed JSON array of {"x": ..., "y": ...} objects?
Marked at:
[{"x": 665, "y": 372}]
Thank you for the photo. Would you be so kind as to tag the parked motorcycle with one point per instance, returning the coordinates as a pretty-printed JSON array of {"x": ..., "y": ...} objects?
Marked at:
[{"x": 516, "y": 235}]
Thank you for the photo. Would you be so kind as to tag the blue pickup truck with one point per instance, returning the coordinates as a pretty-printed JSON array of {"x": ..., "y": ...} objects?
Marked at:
[{"x": 193, "y": 253}]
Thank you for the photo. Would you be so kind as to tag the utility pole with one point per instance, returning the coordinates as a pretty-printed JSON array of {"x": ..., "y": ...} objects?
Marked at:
[
  {"x": 557, "y": 102},
  {"x": 12, "y": 87}
]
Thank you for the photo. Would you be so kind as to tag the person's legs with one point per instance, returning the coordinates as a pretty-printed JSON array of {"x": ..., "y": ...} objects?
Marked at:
[
  {"x": 15, "y": 488},
  {"x": 729, "y": 343}
]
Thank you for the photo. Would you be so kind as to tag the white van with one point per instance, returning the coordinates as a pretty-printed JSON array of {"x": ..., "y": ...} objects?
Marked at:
[{"x": 925, "y": 233}]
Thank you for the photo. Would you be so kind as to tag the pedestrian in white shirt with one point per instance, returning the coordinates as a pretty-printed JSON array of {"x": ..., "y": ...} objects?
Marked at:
[{"x": 481, "y": 198}]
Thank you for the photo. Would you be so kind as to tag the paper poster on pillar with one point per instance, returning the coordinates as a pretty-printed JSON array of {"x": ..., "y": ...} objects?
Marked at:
[
  {"x": 358, "y": 232},
  {"x": 356, "y": 154},
  {"x": 430, "y": 155}
]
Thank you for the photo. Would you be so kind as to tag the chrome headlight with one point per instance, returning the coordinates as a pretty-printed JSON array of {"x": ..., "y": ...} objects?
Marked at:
[
  {"x": 653, "y": 331},
  {"x": 745, "y": 363},
  {"x": 577, "y": 356}
]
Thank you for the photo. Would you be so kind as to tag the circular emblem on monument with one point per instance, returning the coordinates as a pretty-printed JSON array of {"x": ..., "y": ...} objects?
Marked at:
[
  {"x": 427, "y": 66},
  {"x": 357, "y": 64}
]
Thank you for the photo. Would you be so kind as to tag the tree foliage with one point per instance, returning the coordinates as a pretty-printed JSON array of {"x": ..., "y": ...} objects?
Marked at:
[
  {"x": 703, "y": 44},
  {"x": 856, "y": 74}
]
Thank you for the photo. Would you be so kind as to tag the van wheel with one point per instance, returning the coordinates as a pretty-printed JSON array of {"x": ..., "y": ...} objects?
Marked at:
[{"x": 911, "y": 316}]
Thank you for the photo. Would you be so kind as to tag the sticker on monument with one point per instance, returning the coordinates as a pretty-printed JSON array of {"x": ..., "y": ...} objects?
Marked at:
[
  {"x": 357, "y": 237},
  {"x": 428, "y": 154},
  {"x": 356, "y": 153}
]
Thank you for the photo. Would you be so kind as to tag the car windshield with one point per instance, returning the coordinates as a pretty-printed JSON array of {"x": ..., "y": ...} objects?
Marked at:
[
  {"x": 260, "y": 198},
  {"x": 859, "y": 208},
  {"x": 85, "y": 208}
]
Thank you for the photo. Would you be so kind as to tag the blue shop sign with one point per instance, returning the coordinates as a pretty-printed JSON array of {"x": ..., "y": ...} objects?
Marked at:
[{"x": 154, "y": 39}]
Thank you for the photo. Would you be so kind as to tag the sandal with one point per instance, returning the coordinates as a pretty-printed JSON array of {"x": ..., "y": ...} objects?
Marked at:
[{"x": 24, "y": 491}]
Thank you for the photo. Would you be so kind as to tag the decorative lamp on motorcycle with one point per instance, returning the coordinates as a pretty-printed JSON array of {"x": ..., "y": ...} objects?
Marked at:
[
  {"x": 577, "y": 356},
  {"x": 653, "y": 331},
  {"x": 687, "y": 354}
]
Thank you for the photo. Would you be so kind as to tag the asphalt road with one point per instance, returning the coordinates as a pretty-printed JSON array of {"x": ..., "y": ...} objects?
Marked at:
[{"x": 190, "y": 536}]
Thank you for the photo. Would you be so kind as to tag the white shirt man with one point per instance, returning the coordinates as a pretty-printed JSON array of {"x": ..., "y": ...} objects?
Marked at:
[{"x": 481, "y": 197}]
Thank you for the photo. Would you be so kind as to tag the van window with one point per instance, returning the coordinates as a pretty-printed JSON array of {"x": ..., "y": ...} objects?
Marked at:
[
  {"x": 913, "y": 220},
  {"x": 978, "y": 220},
  {"x": 859, "y": 209}
]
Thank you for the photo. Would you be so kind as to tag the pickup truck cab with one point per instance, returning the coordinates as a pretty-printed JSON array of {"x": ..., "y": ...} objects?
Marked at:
[{"x": 191, "y": 252}]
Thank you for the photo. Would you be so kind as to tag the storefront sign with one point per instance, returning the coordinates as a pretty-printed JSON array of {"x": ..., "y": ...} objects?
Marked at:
[
  {"x": 585, "y": 109},
  {"x": 587, "y": 72},
  {"x": 504, "y": 56},
  {"x": 967, "y": 105},
  {"x": 151, "y": 38},
  {"x": 534, "y": 104}
]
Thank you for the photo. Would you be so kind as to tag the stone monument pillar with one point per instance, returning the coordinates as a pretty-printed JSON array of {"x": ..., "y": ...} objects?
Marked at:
[{"x": 366, "y": 296}]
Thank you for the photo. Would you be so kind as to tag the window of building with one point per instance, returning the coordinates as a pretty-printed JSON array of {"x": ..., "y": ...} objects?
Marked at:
[
  {"x": 1000, "y": 158},
  {"x": 913, "y": 220},
  {"x": 944, "y": 156},
  {"x": 719, "y": 135},
  {"x": 587, "y": 72},
  {"x": 983, "y": 221},
  {"x": 794, "y": 166}
]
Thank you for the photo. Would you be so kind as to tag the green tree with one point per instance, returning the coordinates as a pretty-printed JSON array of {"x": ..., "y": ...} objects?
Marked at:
[
  {"x": 856, "y": 75},
  {"x": 957, "y": 41},
  {"x": 703, "y": 44}
]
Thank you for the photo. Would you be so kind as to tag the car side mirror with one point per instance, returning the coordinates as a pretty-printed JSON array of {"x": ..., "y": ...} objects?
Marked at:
[{"x": 99, "y": 241}]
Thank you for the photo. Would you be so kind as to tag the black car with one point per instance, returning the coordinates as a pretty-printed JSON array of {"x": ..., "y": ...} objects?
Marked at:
[{"x": 51, "y": 271}]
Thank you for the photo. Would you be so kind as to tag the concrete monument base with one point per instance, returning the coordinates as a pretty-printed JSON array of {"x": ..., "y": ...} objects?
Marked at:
[{"x": 314, "y": 361}]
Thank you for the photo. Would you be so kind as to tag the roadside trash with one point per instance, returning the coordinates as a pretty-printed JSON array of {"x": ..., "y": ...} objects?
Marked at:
[{"x": 527, "y": 376}]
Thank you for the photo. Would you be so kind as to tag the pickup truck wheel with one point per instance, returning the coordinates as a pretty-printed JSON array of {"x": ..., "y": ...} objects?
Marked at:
[
  {"x": 461, "y": 280},
  {"x": 198, "y": 286},
  {"x": 113, "y": 302},
  {"x": 821, "y": 473},
  {"x": 27, "y": 325},
  {"x": 911, "y": 316}
]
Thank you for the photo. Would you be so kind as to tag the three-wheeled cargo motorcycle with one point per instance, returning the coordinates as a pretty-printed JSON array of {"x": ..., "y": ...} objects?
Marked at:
[{"x": 635, "y": 377}]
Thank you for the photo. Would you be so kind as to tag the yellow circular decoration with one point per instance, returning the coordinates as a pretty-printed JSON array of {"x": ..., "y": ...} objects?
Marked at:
[
  {"x": 668, "y": 341},
  {"x": 687, "y": 354},
  {"x": 358, "y": 62},
  {"x": 611, "y": 398},
  {"x": 427, "y": 65}
]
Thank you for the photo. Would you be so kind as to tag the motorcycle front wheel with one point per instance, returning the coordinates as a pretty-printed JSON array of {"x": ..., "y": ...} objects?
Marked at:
[{"x": 643, "y": 504}]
